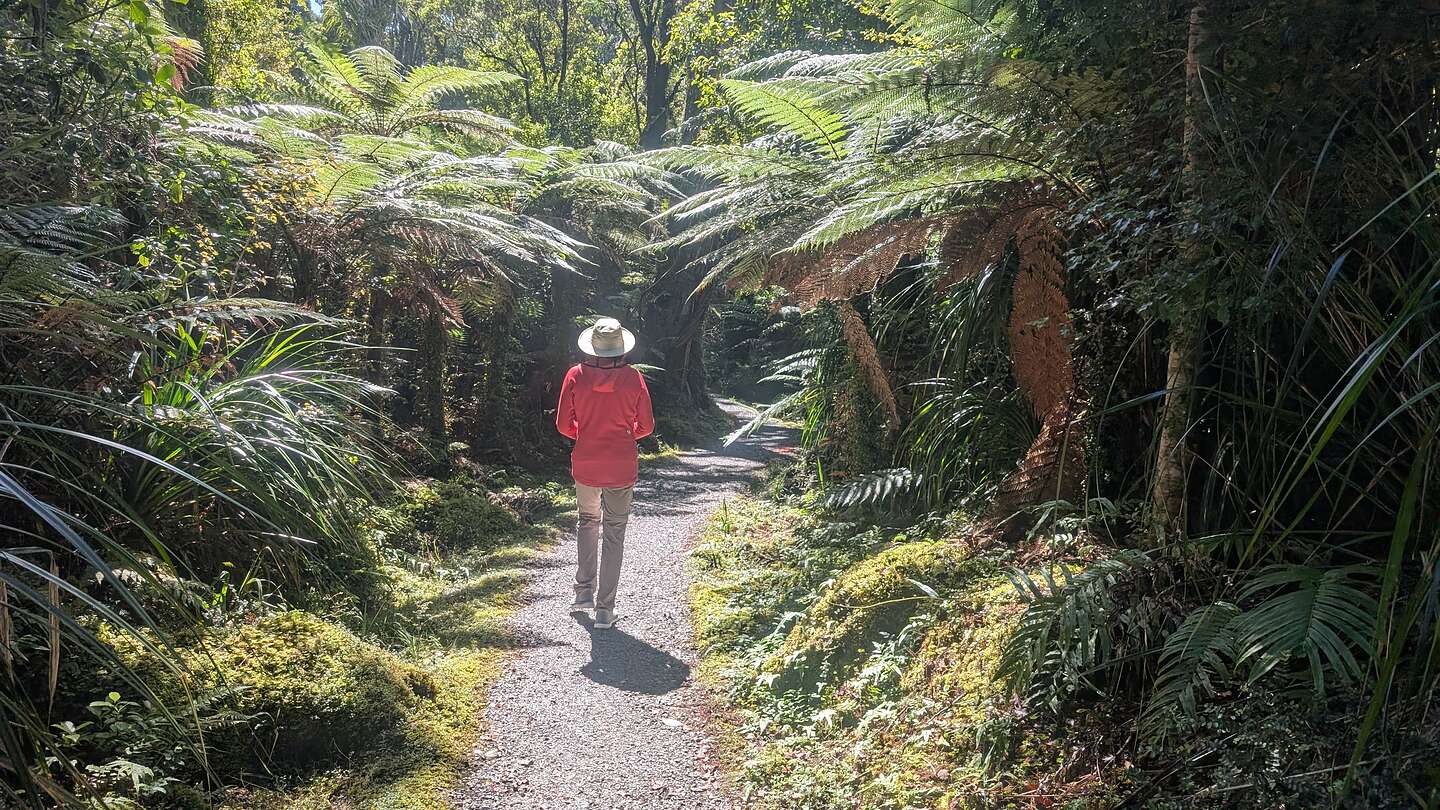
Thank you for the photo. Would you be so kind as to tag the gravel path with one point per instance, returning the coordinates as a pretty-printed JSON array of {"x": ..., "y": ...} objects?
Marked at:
[{"x": 603, "y": 719}]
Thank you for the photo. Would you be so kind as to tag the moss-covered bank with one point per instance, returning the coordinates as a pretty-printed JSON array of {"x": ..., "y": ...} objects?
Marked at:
[
  {"x": 861, "y": 663},
  {"x": 446, "y": 619},
  {"x": 366, "y": 695}
]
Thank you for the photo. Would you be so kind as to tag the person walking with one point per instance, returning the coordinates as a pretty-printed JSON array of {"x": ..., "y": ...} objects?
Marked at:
[{"x": 605, "y": 407}]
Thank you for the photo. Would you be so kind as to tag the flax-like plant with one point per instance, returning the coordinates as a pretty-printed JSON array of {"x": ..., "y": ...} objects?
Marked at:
[{"x": 147, "y": 439}]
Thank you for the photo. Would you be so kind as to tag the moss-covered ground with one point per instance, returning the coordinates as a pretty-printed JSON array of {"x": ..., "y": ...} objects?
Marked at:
[
  {"x": 860, "y": 662},
  {"x": 436, "y": 615}
]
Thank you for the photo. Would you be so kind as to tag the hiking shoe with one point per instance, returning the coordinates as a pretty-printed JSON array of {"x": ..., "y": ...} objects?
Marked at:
[
  {"x": 582, "y": 606},
  {"x": 604, "y": 619}
]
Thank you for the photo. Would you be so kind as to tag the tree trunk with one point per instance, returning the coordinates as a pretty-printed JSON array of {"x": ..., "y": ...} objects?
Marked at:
[
  {"x": 492, "y": 395},
  {"x": 307, "y": 267},
  {"x": 1168, "y": 495},
  {"x": 375, "y": 335},
  {"x": 689, "y": 127},
  {"x": 653, "y": 21},
  {"x": 563, "y": 67},
  {"x": 433, "y": 339}
]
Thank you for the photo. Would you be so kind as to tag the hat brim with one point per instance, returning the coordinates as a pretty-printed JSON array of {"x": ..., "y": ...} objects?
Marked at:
[{"x": 587, "y": 344}]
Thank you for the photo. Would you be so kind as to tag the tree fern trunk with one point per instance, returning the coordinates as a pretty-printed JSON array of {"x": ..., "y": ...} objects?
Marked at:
[{"x": 432, "y": 373}]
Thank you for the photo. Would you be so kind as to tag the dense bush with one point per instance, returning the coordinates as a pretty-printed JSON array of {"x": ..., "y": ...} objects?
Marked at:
[{"x": 454, "y": 514}]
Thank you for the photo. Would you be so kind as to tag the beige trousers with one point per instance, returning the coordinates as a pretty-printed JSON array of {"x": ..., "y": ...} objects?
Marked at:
[{"x": 607, "y": 508}]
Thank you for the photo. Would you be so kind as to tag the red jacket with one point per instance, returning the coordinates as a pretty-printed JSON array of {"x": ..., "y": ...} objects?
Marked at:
[{"x": 605, "y": 410}]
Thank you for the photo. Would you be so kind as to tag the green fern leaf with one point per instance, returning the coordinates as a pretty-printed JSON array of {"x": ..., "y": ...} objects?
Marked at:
[
  {"x": 1198, "y": 652},
  {"x": 1319, "y": 615},
  {"x": 790, "y": 109}
]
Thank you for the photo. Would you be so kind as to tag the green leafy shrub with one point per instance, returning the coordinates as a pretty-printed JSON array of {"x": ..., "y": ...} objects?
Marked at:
[
  {"x": 454, "y": 514},
  {"x": 466, "y": 515},
  {"x": 404, "y": 523},
  {"x": 1280, "y": 750},
  {"x": 135, "y": 755}
]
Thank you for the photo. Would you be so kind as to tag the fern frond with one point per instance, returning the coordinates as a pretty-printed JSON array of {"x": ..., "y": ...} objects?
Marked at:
[
  {"x": 790, "y": 109},
  {"x": 466, "y": 122},
  {"x": 874, "y": 489},
  {"x": 1201, "y": 650},
  {"x": 1067, "y": 632},
  {"x": 1320, "y": 615},
  {"x": 769, "y": 67},
  {"x": 339, "y": 182},
  {"x": 423, "y": 85},
  {"x": 382, "y": 71},
  {"x": 290, "y": 142}
]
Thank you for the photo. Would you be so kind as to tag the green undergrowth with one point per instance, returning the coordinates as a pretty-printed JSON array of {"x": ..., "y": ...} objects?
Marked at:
[
  {"x": 861, "y": 661},
  {"x": 443, "y": 614},
  {"x": 688, "y": 427},
  {"x": 866, "y": 667},
  {"x": 367, "y": 695}
]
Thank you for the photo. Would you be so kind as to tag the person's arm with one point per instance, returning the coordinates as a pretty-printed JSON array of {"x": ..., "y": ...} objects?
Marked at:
[
  {"x": 565, "y": 420},
  {"x": 644, "y": 415}
]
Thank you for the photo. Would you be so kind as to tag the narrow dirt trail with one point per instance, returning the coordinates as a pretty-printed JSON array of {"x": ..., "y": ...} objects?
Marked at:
[{"x": 602, "y": 719}]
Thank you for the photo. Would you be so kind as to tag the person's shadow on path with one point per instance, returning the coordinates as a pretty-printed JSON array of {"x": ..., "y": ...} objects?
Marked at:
[{"x": 620, "y": 660}]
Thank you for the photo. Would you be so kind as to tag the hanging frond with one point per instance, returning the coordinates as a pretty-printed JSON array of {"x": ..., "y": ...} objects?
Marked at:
[
  {"x": 874, "y": 489},
  {"x": 867, "y": 357},
  {"x": 790, "y": 109},
  {"x": 853, "y": 265}
]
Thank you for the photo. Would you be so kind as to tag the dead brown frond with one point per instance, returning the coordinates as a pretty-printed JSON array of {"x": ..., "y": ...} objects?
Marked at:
[
  {"x": 1053, "y": 468},
  {"x": 1021, "y": 215},
  {"x": 981, "y": 238},
  {"x": 1041, "y": 347},
  {"x": 853, "y": 265},
  {"x": 1040, "y": 336}
]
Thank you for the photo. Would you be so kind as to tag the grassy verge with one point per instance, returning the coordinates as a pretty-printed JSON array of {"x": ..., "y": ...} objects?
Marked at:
[{"x": 442, "y": 611}]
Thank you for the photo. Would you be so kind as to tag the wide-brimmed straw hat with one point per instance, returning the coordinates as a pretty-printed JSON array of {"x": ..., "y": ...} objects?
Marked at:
[{"x": 607, "y": 338}]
